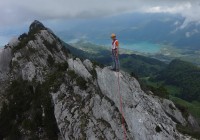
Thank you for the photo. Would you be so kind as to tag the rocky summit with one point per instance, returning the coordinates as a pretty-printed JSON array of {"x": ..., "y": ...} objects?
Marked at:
[{"x": 46, "y": 93}]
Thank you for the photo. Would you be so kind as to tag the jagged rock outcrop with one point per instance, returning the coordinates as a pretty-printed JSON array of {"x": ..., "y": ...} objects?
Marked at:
[
  {"x": 170, "y": 109},
  {"x": 79, "y": 68},
  {"x": 96, "y": 108},
  {"x": 66, "y": 98},
  {"x": 37, "y": 25},
  {"x": 25, "y": 65},
  {"x": 142, "y": 113},
  {"x": 5, "y": 58}
]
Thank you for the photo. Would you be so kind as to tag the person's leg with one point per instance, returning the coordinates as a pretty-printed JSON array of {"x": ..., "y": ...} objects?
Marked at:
[
  {"x": 117, "y": 62},
  {"x": 114, "y": 61}
]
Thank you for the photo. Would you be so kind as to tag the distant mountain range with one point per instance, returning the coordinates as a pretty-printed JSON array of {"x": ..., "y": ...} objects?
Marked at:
[
  {"x": 130, "y": 28},
  {"x": 133, "y": 27}
]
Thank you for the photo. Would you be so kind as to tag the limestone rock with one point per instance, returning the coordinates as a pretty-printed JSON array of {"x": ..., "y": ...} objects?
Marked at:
[
  {"x": 88, "y": 64},
  {"x": 97, "y": 110},
  {"x": 28, "y": 72},
  {"x": 170, "y": 109},
  {"x": 144, "y": 116},
  {"x": 79, "y": 68},
  {"x": 94, "y": 112}
]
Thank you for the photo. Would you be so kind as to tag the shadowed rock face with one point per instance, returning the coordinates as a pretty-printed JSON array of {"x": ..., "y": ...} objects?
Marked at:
[
  {"x": 37, "y": 25},
  {"x": 5, "y": 58},
  {"x": 85, "y": 97}
]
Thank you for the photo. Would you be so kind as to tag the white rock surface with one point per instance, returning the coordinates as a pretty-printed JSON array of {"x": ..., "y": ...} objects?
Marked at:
[
  {"x": 95, "y": 113},
  {"x": 85, "y": 115},
  {"x": 28, "y": 72},
  {"x": 45, "y": 35},
  {"x": 88, "y": 64},
  {"x": 79, "y": 68},
  {"x": 170, "y": 109},
  {"x": 143, "y": 114}
]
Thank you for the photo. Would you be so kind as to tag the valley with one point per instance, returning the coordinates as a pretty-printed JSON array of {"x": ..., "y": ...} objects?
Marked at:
[{"x": 163, "y": 52}]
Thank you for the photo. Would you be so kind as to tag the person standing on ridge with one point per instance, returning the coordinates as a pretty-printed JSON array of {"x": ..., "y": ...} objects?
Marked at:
[{"x": 115, "y": 53}]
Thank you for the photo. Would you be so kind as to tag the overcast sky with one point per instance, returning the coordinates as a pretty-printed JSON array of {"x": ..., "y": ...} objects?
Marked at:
[{"x": 16, "y": 12}]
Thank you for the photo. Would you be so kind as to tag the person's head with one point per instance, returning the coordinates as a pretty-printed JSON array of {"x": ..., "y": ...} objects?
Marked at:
[{"x": 113, "y": 36}]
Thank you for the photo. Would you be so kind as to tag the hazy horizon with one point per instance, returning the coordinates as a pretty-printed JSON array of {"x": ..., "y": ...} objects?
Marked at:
[{"x": 17, "y": 15}]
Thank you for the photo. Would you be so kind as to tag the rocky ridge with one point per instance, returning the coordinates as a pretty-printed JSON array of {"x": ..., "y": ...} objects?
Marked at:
[{"x": 83, "y": 97}]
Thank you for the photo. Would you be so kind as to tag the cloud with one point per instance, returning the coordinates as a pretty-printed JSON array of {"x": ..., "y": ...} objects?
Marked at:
[
  {"x": 193, "y": 32},
  {"x": 187, "y": 9},
  {"x": 13, "y": 11},
  {"x": 177, "y": 8}
]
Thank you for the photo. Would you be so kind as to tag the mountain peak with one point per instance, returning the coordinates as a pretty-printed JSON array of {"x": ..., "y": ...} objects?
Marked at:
[
  {"x": 44, "y": 84},
  {"x": 36, "y": 25}
]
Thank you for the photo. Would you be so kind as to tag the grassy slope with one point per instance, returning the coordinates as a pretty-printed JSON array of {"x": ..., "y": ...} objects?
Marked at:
[
  {"x": 184, "y": 75},
  {"x": 193, "y": 107}
]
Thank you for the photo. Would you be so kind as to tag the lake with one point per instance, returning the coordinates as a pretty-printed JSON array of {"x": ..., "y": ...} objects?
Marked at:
[
  {"x": 143, "y": 47},
  {"x": 140, "y": 46}
]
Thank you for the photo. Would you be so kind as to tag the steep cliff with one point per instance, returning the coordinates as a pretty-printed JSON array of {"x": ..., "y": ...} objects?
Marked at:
[{"x": 48, "y": 94}]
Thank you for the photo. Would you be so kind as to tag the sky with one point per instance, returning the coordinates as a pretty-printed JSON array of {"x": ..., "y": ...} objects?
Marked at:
[{"x": 18, "y": 13}]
